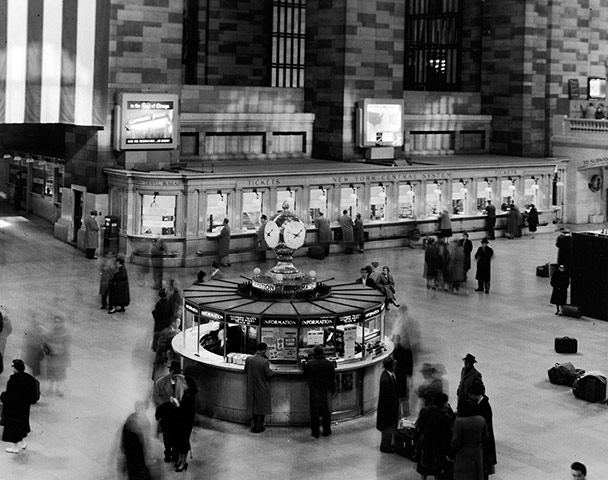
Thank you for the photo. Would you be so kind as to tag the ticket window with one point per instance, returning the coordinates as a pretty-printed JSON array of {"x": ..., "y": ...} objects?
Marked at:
[
  {"x": 286, "y": 196},
  {"x": 318, "y": 203},
  {"x": 158, "y": 215},
  {"x": 377, "y": 202},
  {"x": 484, "y": 193},
  {"x": 252, "y": 210},
  {"x": 533, "y": 194},
  {"x": 349, "y": 200},
  {"x": 325, "y": 336},
  {"x": 217, "y": 209},
  {"x": 407, "y": 198},
  {"x": 241, "y": 338},
  {"x": 507, "y": 193},
  {"x": 433, "y": 197},
  {"x": 282, "y": 343},
  {"x": 460, "y": 194}
]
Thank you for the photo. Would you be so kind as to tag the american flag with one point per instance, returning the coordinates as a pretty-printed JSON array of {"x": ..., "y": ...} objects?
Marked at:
[{"x": 54, "y": 61}]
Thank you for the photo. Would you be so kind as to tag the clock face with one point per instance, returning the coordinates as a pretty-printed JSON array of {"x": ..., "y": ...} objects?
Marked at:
[
  {"x": 272, "y": 232},
  {"x": 294, "y": 234}
]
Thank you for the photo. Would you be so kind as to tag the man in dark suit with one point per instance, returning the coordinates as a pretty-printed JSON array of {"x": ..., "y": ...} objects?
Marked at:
[
  {"x": 257, "y": 369},
  {"x": 469, "y": 376},
  {"x": 364, "y": 279},
  {"x": 490, "y": 211},
  {"x": 165, "y": 393},
  {"x": 387, "y": 417},
  {"x": 321, "y": 376}
]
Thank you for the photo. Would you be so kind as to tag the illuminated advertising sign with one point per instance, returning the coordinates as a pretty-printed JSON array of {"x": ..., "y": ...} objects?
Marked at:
[
  {"x": 146, "y": 121},
  {"x": 380, "y": 123},
  {"x": 242, "y": 319}
]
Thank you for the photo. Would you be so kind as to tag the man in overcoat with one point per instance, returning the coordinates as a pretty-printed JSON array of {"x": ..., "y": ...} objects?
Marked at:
[
  {"x": 223, "y": 245},
  {"x": 490, "y": 212},
  {"x": 119, "y": 288},
  {"x": 387, "y": 415},
  {"x": 321, "y": 376},
  {"x": 92, "y": 235},
  {"x": 469, "y": 376},
  {"x": 257, "y": 369},
  {"x": 22, "y": 391},
  {"x": 166, "y": 390},
  {"x": 348, "y": 232},
  {"x": 483, "y": 256},
  {"x": 260, "y": 240},
  {"x": 322, "y": 224}
]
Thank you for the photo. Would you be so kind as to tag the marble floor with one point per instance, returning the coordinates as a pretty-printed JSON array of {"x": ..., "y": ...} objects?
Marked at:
[{"x": 540, "y": 428}]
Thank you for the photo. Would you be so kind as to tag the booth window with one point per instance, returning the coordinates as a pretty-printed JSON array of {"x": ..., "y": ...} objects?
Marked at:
[
  {"x": 484, "y": 193},
  {"x": 158, "y": 214},
  {"x": 252, "y": 210},
  {"x": 533, "y": 194},
  {"x": 507, "y": 193},
  {"x": 217, "y": 209},
  {"x": 433, "y": 198},
  {"x": 460, "y": 193},
  {"x": 288, "y": 196},
  {"x": 349, "y": 200},
  {"x": 377, "y": 202},
  {"x": 38, "y": 180},
  {"x": 406, "y": 200},
  {"x": 318, "y": 203}
]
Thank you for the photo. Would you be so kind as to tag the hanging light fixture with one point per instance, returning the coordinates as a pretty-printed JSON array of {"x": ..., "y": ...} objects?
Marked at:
[
  {"x": 464, "y": 190},
  {"x": 154, "y": 204},
  {"x": 353, "y": 195},
  {"x": 512, "y": 186},
  {"x": 437, "y": 190},
  {"x": 221, "y": 202},
  {"x": 382, "y": 193},
  {"x": 488, "y": 188},
  {"x": 410, "y": 192},
  {"x": 256, "y": 201},
  {"x": 535, "y": 184},
  {"x": 323, "y": 196}
]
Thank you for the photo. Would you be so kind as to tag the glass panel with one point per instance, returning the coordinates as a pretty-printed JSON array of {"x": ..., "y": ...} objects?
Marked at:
[
  {"x": 252, "y": 210},
  {"x": 406, "y": 201},
  {"x": 49, "y": 179},
  {"x": 349, "y": 200},
  {"x": 38, "y": 179},
  {"x": 286, "y": 196},
  {"x": 158, "y": 214},
  {"x": 373, "y": 336},
  {"x": 507, "y": 194},
  {"x": 484, "y": 193},
  {"x": 533, "y": 195},
  {"x": 318, "y": 203},
  {"x": 433, "y": 199},
  {"x": 217, "y": 209},
  {"x": 378, "y": 202},
  {"x": 319, "y": 335},
  {"x": 459, "y": 198}
]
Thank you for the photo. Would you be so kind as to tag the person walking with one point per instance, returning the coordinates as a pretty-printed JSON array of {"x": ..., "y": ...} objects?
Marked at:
[
  {"x": 560, "y": 280},
  {"x": 92, "y": 235},
  {"x": 490, "y": 212},
  {"x": 321, "y": 376},
  {"x": 260, "y": 240},
  {"x": 6, "y": 328},
  {"x": 164, "y": 349},
  {"x": 167, "y": 390},
  {"x": 359, "y": 233},
  {"x": 387, "y": 415},
  {"x": 184, "y": 423},
  {"x": 322, "y": 225},
  {"x": 432, "y": 384},
  {"x": 469, "y": 376},
  {"x": 106, "y": 272},
  {"x": 56, "y": 342},
  {"x": 481, "y": 406},
  {"x": 134, "y": 445},
  {"x": 404, "y": 366},
  {"x": 532, "y": 220},
  {"x": 444, "y": 254},
  {"x": 348, "y": 232},
  {"x": 258, "y": 372},
  {"x": 162, "y": 315},
  {"x": 433, "y": 264},
  {"x": 119, "y": 288},
  {"x": 22, "y": 391},
  {"x": 223, "y": 245},
  {"x": 483, "y": 256},
  {"x": 445, "y": 225},
  {"x": 470, "y": 434},
  {"x": 434, "y": 436}
]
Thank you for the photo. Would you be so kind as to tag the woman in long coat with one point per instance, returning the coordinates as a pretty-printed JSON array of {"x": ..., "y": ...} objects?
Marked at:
[
  {"x": 359, "y": 232},
  {"x": 348, "y": 232},
  {"x": 433, "y": 264},
  {"x": 119, "y": 288},
  {"x": 514, "y": 222},
  {"x": 434, "y": 430},
  {"x": 223, "y": 245},
  {"x": 532, "y": 220},
  {"x": 57, "y": 341},
  {"x": 560, "y": 280},
  {"x": 470, "y": 434},
  {"x": 457, "y": 264}
]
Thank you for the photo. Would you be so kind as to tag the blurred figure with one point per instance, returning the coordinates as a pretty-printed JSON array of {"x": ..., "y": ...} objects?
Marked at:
[
  {"x": 348, "y": 232},
  {"x": 403, "y": 371},
  {"x": 106, "y": 272},
  {"x": 457, "y": 265},
  {"x": 532, "y": 219},
  {"x": 20, "y": 190},
  {"x": 119, "y": 288},
  {"x": 56, "y": 347},
  {"x": 32, "y": 344},
  {"x": 470, "y": 434},
  {"x": 387, "y": 415},
  {"x": 6, "y": 328},
  {"x": 375, "y": 273},
  {"x": 164, "y": 351},
  {"x": 184, "y": 422},
  {"x": 481, "y": 406},
  {"x": 176, "y": 296},
  {"x": 200, "y": 277},
  {"x": 432, "y": 264},
  {"x": 514, "y": 222},
  {"x": 157, "y": 253},
  {"x": 134, "y": 445},
  {"x": 433, "y": 445},
  {"x": 444, "y": 272},
  {"x": 359, "y": 233},
  {"x": 22, "y": 391},
  {"x": 162, "y": 315},
  {"x": 445, "y": 225},
  {"x": 432, "y": 384},
  {"x": 216, "y": 273}
]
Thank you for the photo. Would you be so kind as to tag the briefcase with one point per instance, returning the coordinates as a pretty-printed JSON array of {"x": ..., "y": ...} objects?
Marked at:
[
  {"x": 590, "y": 387},
  {"x": 566, "y": 345},
  {"x": 542, "y": 270},
  {"x": 405, "y": 443},
  {"x": 573, "y": 311}
]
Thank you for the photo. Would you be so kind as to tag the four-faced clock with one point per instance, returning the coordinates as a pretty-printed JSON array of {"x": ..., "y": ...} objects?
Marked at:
[
  {"x": 294, "y": 234},
  {"x": 272, "y": 233}
]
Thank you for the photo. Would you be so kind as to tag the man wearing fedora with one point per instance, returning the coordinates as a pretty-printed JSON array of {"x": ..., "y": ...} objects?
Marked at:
[
  {"x": 483, "y": 256},
  {"x": 257, "y": 369},
  {"x": 167, "y": 391},
  {"x": 469, "y": 376}
]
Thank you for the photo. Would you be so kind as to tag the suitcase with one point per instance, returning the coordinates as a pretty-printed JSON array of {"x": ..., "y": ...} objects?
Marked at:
[
  {"x": 564, "y": 374},
  {"x": 573, "y": 311},
  {"x": 405, "y": 443},
  {"x": 316, "y": 252},
  {"x": 542, "y": 271},
  {"x": 590, "y": 387},
  {"x": 566, "y": 345}
]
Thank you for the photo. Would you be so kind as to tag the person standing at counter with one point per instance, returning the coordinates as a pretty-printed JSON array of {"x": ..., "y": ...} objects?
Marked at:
[
  {"x": 322, "y": 224},
  {"x": 257, "y": 369},
  {"x": 223, "y": 245},
  {"x": 359, "y": 232},
  {"x": 490, "y": 211},
  {"x": 348, "y": 232},
  {"x": 260, "y": 240},
  {"x": 387, "y": 417},
  {"x": 321, "y": 376}
]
